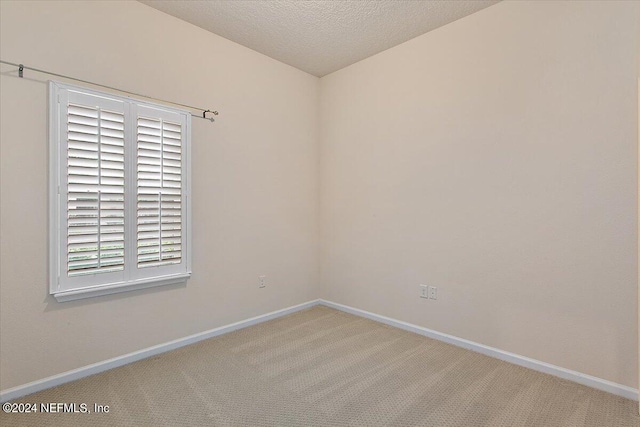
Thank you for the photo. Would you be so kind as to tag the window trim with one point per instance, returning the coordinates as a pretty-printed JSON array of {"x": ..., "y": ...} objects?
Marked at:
[{"x": 55, "y": 200}]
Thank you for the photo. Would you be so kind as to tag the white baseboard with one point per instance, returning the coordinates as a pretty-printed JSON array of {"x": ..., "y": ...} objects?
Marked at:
[
  {"x": 536, "y": 365},
  {"x": 85, "y": 371}
]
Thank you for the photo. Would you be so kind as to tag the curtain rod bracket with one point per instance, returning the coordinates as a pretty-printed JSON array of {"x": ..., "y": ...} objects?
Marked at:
[
  {"x": 20, "y": 70},
  {"x": 204, "y": 115}
]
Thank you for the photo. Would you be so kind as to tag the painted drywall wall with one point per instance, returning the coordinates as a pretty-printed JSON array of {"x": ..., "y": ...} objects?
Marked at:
[
  {"x": 491, "y": 158},
  {"x": 255, "y": 182},
  {"x": 494, "y": 158}
]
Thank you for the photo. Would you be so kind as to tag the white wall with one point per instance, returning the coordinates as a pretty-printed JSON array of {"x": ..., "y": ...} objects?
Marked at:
[
  {"x": 255, "y": 182},
  {"x": 495, "y": 158}
]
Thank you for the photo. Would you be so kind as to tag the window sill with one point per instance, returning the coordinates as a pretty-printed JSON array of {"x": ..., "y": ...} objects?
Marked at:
[{"x": 96, "y": 291}]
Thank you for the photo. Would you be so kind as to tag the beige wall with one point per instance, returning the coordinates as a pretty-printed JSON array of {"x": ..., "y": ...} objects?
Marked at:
[
  {"x": 495, "y": 158},
  {"x": 255, "y": 182}
]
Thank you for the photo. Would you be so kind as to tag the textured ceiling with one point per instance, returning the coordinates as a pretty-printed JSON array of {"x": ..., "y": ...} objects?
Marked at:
[{"x": 319, "y": 37}]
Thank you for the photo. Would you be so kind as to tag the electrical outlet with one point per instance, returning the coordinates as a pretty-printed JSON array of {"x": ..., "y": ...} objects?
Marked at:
[
  {"x": 433, "y": 292},
  {"x": 262, "y": 281},
  {"x": 424, "y": 291}
]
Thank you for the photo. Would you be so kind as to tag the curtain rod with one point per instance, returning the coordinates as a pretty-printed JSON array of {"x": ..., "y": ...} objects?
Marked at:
[{"x": 22, "y": 67}]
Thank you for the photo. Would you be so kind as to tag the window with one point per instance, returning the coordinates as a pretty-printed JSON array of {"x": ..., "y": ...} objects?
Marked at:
[{"x": 119, "y": 193}]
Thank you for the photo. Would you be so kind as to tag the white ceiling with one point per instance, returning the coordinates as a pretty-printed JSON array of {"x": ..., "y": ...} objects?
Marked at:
[{"x": 319, "y": 37}]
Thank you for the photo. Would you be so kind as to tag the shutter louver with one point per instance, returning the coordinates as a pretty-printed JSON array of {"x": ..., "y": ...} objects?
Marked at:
[
  {"x": 95, "y": 190},
  {"x": 159, "y": 192}
]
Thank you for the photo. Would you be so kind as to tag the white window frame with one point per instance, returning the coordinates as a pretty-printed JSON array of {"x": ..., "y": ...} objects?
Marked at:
[{"x": 132, "y": 277}]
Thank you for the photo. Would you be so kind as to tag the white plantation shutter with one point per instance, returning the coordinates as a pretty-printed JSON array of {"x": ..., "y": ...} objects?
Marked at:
[
  {"x": 95, "y": 190},
  {"x": 119, "y": 188},
  {"x": 159, "y": 192}
]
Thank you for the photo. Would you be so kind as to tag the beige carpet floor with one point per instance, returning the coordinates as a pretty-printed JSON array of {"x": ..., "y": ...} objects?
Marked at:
[{"x": 322, "y": 367}]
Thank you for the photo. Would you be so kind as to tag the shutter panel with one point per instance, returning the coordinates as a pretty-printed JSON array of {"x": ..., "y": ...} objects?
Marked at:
[
  {"x": 95, "y": 190},
  {"x": 159, "y": 192}
]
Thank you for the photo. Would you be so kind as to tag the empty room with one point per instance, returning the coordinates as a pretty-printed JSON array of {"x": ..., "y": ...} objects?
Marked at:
[{"x": 319, "y": 213}]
